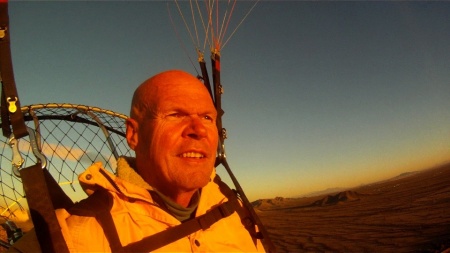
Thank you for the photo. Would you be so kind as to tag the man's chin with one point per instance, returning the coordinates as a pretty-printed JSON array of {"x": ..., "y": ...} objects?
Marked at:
[{"x": 197, "y": 182}]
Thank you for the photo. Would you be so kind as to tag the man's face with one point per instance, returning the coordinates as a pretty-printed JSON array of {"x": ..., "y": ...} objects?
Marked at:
[{"x": 178, "y": 136}]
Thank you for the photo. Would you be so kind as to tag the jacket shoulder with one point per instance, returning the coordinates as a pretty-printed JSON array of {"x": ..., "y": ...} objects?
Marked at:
[{"x": 80, "y": 226}]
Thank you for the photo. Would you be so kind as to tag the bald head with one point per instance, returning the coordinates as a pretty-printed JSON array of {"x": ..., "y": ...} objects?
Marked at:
[{"x": 145, "y": 96}]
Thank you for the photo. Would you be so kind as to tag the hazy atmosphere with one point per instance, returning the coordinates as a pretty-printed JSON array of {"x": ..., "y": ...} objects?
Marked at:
[{"x": 317, "y": 94}]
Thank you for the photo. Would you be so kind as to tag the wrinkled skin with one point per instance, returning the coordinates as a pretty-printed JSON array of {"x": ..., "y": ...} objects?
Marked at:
[{"x": 172, "y": 130}]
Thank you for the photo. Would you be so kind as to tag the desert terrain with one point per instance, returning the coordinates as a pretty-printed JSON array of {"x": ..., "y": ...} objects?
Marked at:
[{"x": 409, "y": 213}]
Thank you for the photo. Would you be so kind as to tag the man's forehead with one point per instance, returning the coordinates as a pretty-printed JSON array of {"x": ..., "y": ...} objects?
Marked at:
[
  {"x": 199, "y": 101},
  {"x": 174, "y": 87}
]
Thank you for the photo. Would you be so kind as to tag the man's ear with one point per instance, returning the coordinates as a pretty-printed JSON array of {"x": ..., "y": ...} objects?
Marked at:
[{"x": 132, "y": 132}]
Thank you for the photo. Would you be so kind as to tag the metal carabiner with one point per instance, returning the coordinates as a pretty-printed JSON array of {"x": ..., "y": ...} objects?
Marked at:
[
  {"x": 222, "y": 138},
  {"x": 35, "y": 148},
  {"x": 17, "y": 159}
]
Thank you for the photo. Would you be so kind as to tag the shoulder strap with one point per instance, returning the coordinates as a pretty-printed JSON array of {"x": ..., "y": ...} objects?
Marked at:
[
  {"x": 99, "y": 204},
  {"x": 172, "y": 234},
  {"x": 38, "y": 183},
  {"x": 41, "y": 200},
  {"x": 10, "y": 104},
  {"x": 246, "y": 218}
]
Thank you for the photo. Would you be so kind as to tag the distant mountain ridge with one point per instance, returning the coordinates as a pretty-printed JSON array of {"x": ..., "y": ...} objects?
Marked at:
[
  {"x": 268, "y": 202},
  {"x": 330, "y": 196},
  {"x": 341, "y": 189},
  {"x": 323, "y": 192},
  {"x": 286, "y": 203},
  {"x": 405, "y": 174},
  {"x": 337, "y": 198}
]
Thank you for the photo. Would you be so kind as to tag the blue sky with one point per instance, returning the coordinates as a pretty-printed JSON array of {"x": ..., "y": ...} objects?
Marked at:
[{"x": 317, "y": 94}]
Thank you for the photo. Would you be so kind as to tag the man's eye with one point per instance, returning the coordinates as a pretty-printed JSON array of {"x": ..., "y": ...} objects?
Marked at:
[
  {"x": 174, "y": 115},
  {"x": 208, "y": 118}
]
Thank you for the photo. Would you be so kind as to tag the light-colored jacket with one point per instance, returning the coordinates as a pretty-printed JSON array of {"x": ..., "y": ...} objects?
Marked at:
[{"x": 136, "y": 216}]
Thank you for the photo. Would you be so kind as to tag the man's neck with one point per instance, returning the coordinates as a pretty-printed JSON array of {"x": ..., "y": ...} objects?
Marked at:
[
  {"x": 183, "y": 199},
  {"x": 180, "y": 212}
]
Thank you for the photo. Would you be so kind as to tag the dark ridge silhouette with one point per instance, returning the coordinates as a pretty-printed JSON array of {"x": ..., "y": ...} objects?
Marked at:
[{"x": 337, "y": 198}]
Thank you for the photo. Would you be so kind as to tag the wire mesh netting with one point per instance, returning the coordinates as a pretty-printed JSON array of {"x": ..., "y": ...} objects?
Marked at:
[{"x": 70, "y": 137}]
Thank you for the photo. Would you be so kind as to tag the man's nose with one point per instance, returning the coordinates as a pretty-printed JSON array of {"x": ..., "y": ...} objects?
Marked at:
[{"x": 195, "y": 129}]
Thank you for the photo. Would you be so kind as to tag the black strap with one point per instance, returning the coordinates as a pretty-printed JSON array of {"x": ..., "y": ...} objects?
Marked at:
[
  {"x": 205, "y": 76},
  {"x": 99, "y": 204},
  {"x": 10, "y": 106},
  {"x": 42, "y": 191},
  {"x": 246, "y": 219},
  {"x": 41, "y": 208},
  {"x": 172, "y": 234},
  {"x": 59, "y": 198}
]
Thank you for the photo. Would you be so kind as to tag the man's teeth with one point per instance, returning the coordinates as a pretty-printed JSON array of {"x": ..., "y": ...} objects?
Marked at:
[{"x": 192, "y": 155}]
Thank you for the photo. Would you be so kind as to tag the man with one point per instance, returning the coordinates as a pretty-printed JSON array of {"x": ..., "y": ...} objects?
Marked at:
[{"x": 172, "y": 129}]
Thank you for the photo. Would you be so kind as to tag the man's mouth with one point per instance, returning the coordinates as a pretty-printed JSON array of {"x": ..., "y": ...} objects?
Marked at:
[{"x": 192, "y": 155}]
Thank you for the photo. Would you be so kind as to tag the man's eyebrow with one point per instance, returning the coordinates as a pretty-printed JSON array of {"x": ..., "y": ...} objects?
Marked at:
[
  {"x": 177, "y": 108},
  {"x": 169, "y": 108}
]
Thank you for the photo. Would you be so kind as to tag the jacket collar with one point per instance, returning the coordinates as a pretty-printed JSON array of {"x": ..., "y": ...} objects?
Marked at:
[
  {"x": 126, "y": 171},
  {"x": 127, "y": 181}
]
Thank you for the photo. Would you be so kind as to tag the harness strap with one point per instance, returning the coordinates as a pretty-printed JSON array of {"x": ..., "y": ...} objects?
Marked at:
[
  {"x": 35, "y": 183},
  {"x": 172, "y": 234},
  {"x": 10, "y": 105},
  {"x": 246, "y": 219},
  {"x": 262, "y": 232},
  {"x": 58, "y": 197},
  {"x": 99, "y": 204}
]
